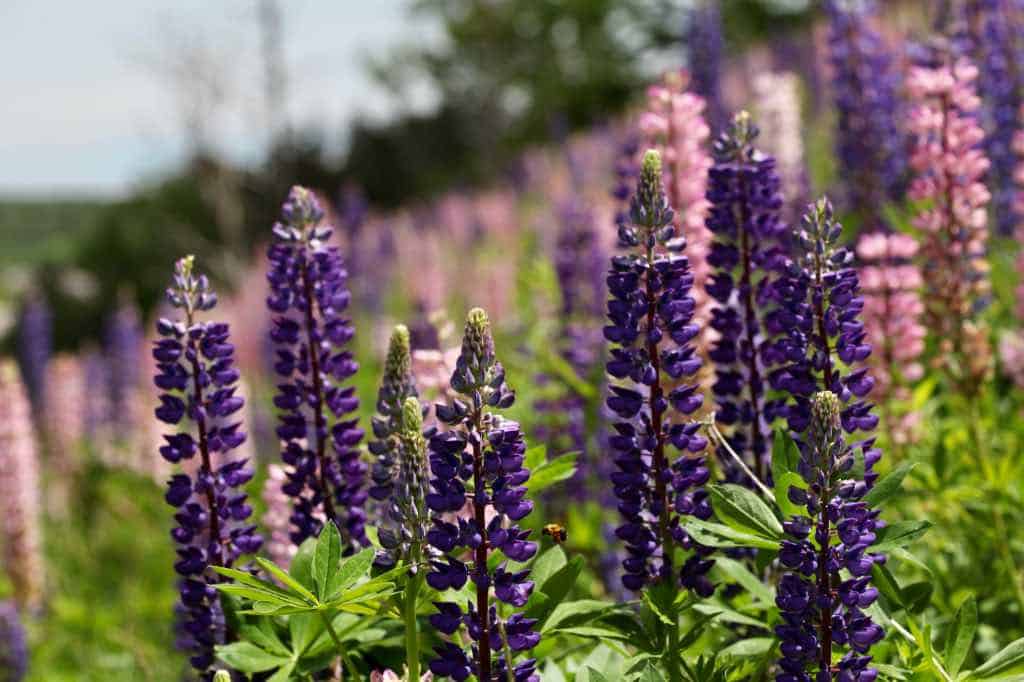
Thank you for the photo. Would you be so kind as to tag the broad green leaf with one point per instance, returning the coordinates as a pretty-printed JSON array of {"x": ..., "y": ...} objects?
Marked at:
[
  {"x": 351, "y": 570},
  {"x": 286, "y": 579},
  {"x": 751, "y": 647},
  {"x": 554, "y": 471},
  {"x": 546, "y": 564},
  {"x": 782, "y": 486},
  {"x": 304, "y": 629},
  {"x": 556, "y": 588},
  {"x": 888, "y": 485},
  {"x": 885, "y": 581},
  {"x": 917, "y": 596},
  {"x": 573, "y": 613},
  {"x": 744, "y": 511},
  {"x": 588, "y": 674},
  {"x": 899, "y": 534},
  {"x": 326, "y": 555},
  {"x": 742, "y": 575},
  {"x": 593, "y": 632},
  {"x": 249, "y": 658},
  {"x": 730, "y": 616},
  {"x": 302, "y": 564},
  {"x": 258, "y": 596},
  {"x": 263, "y": 634},
  {"x": 535, "y": 457},
  {"x": 785, "y": 456},
  {"x": 1007, "y": 661},
  {"x": 284, "y": 674},
  {"x": 252, "y": 581},
  {"x": 660, "y": 599},
  {"x": 720, "y": 535},
  {"x": 960, "y": 635}
]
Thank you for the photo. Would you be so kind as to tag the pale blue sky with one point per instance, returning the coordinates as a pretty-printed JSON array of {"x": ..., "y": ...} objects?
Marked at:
[{"x": 88, "y": 109}]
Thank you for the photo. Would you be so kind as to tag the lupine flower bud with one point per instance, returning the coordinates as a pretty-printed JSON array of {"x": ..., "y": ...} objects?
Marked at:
[
  {"x": 19, "y": 491},
  {"x": 198, "y": 384},
  {"x": 865, "y": 84},
  {"x": 950, "y": 166},
  {"x": 318, "y": 432},
  {"x": 13, "y": 645},
  {"x": 397, "y": 384},
  {"x": 222, "y": 676},
  {"x": 650, "y": 328},
  {"x": 820, "y": 609},
  {"x": 747, "y": 250},
  {"x": 481, "y": 449}
]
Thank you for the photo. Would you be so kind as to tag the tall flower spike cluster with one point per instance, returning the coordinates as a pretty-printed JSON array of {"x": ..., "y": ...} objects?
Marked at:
[
  {"x": 892, "y": 318},
  {"x": 705, "y": 45},
  {"x": 13, "y": 644},
  {"x": 19, "y": 491},
  {"x": 747, "y": 250},
  {"x": 865, "y": 83},
  {"x": 397, "y": 384},
  {"x": 483, "y": 452},
  {"x": 674, "y": 125},
  {"x": 317, "y": 426},
  {"x": 651, "y": 327},
  {"x": 35, "y": 343},
  {"x": 949, "y": 167},
  {"x": 1000, "y": 85},
  {"x": 198, "y": 380},
  {"x": 816, "y": 321},
  {"x": 822, "y": 610},
  {"x": 124, "y": 346}
]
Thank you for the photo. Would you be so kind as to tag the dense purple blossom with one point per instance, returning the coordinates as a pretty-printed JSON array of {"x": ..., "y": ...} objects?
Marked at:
[
  {"x": 317, "y": 425},
  {"x": 198, "y": 383},
  {"x": 35, "y": 345},
  {"x": 819, "y": 607},
  {"x": 13, "y": 644},
  {"x": 746, "y": 203},
  {"x": 705, "y": 45},
  {"x": 650, "y": 328},
  {"x": 123, "y": 346},
  {"x": 483, "y": 450},
  {"x": 871, "y": 149}
]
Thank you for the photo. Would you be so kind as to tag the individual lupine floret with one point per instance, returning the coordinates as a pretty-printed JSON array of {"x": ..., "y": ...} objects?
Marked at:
[
  {"x": 650, "y": 328},
  {"x": 396, "y": 385},
  {"x": 821, "y": 610},
  {"x": 892, "y": 320},
  {"x": 20, "y": 542},
  {"x": 484, "y": 452},
  {"x": 817, "y": 321},
  {"x": 198, "y": 381},
  {"x": 949, "y": 166},
  {"x": 318, "y": 429},
  {"x": 865, "y": 83},
  {"x": 745, "y": 219},
  {"x": 13, "y": 644}
]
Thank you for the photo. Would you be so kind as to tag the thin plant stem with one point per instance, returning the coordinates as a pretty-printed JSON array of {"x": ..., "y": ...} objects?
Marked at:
[
  {"x": 720, "y": 439},
  {"x": 412, "y": 633}
]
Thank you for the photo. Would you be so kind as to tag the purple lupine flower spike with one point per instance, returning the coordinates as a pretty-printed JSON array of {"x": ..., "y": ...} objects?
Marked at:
[
  {"x": 317, "y": 427},
  {"x": 872, "y": 151},
  {"x": 650, "y": 328},
  {"x": 821, "y": 610},
  {"x": 483, "y": 450},
  {"x": 13, "y": 644},
  {"x": 198, "y": 382},
  {"x": 745, "y": 219},
  {"x": 705, "y": 45},
  {"x": 35, "y": 344}
]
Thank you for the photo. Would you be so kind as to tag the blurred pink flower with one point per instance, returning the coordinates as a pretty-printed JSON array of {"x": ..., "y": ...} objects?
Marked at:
[
  {"x": 19, "y": 491},
  {"x": 276, "y": 520},
  {"x": 391, "y": 676}
]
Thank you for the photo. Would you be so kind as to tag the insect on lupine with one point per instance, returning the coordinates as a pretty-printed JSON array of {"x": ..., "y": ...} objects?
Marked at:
[
  {"x": 317, "y": 426},
  {"x": 198, "y": 381},
  {"x": 650, "y": 328},
  {"x": 483, "y": 450}
]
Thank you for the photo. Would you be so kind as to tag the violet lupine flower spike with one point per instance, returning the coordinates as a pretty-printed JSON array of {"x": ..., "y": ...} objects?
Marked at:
[
  {"x": 483, "y": 451},
  {"x": 705, "y": 45},
  {"x": 819, "y": 608},
  {"x": 309, "y": 296},
  {"x": 865, "y": 83},
  {"x": 397, "y": 384},
  {"x": 198, "y": 380},
  {"x": 651, "y": 327},
  {"x": 745, "y": 220},
  {"x": 816, "y": 321},
  {"x": 950, "y": 167}
]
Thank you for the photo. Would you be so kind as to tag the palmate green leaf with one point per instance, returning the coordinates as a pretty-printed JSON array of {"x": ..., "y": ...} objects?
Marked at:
[
  {"x": 785, "y": 456},
  {"x": 899, "y": 534},
  {"x": 742, "y": 510},
  {"x": 720, "y": 535},
  {"x": 326, "y": 555},
  {"x": 883, "y": 579},
  {"x": 284, "y": 674},
  {"x": 747, "y": 580},
  {"x": 781, "y": 493},
  {"x": 588, "y": 674},
  {"x": 546, "y": 564},
  {"x": 751, "y": 647},
  {"x": 555, "y": 588},
  {"x": 960, "y": 635},
  {"x": 249, "y": 580},
  {"x": 1008, "y": 661},
  {"x": 249, "y": 658},
  {"x": 304, "y": 629},
  {"x": 352, "y": 568},
  {"x": 551, "y": 472},
  {"x": 302, "y": 564},
  {"x": 258, "y": 596},
  {"x": 535, "y": 456},
  {"x": 888, "y": 485},
  {"x": 728, "y": 615},
  {"x": 575, "y": 613},
  {"x": 263, "y": 634},
  {"x": 286, "y": 579}
]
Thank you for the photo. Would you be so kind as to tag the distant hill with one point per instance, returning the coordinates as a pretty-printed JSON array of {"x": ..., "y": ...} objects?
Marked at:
[{"x": 33, "y": 232}]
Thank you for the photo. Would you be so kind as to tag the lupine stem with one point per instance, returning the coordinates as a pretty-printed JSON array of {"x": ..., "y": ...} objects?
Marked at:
[
  {"x": 412, "y": 633},
  {"x": 721, "y": 440},
  {"x": 482, "y": 582}
]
